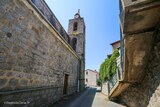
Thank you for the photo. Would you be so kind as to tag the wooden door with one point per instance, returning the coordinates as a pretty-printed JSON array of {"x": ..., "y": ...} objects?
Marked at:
[{"x": 65, "y": 84}]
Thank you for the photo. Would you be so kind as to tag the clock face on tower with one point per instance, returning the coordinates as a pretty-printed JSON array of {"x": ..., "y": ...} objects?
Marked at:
[{"x": 76, "y": 16}]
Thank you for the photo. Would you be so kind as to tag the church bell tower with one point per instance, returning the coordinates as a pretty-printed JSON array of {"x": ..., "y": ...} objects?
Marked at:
[{"x": 76, "y": 31}]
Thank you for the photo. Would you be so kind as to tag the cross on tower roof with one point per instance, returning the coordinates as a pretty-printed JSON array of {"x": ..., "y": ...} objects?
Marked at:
[{"x": 79, "y": 11}]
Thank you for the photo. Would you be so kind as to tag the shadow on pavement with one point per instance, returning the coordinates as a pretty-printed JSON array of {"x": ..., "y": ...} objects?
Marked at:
[{"x": 83, "y": 99}]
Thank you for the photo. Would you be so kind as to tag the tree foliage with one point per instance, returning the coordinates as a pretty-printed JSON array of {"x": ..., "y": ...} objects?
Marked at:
[
  {"x": 108, "y": 67},
  {"x": 99, "y": 82}
]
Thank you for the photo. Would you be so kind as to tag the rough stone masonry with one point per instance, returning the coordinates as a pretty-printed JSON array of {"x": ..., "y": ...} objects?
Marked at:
[
  {"x": 33, "y": 59},
  {"x": 146, "y": 93}
]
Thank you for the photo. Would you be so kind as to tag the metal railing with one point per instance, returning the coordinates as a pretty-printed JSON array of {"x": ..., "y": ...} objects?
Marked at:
[{"x": 48, "y": 14}]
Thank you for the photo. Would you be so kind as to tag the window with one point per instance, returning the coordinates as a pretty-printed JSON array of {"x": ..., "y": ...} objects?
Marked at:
[
  {"x": 74, "y": 43},
  {"x": 69, "y": 40},
  {"x": 75, "y": 26},
  {"x": 52, "y": 21},
  {"x": 86, "y": 73},
  {"x": 86, "y": 80},
  {"x": 33, "y": 1}
]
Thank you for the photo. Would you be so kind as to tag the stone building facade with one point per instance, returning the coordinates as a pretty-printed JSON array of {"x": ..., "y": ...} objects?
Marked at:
[
  {"x": 116, "y": 45},
  {"x": 146, "y": 93},
  {"x": 91, "y": 78},
  {"x": 140, "y": 39},
  {"x": 38, "y": 65}
]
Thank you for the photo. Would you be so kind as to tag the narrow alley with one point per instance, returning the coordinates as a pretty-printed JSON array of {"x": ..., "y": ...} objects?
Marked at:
[
  {"x": 91, "y": 97},
  {"x": 79, "y": 53}
]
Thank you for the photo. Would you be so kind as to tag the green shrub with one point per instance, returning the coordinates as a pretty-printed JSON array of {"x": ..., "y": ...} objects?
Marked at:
[
  {"x": 108, "y": 67},
  {"x": 99, "y": 82}
]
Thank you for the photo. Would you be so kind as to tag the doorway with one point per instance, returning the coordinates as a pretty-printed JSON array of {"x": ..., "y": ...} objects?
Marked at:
[{"x": 65, "y": 84}]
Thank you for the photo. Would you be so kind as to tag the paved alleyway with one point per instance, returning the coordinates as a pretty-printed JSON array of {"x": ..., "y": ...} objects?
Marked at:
[{"x": 89, "y": 98}]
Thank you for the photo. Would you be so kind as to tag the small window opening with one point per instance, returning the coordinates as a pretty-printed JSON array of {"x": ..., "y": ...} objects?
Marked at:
[
  {"x": 75, "y": 26},
  {"x": 74, "y": 43},
  {"x": 86, "y": 80}
]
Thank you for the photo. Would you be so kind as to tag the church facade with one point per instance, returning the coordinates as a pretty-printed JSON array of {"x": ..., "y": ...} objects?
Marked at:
[{"x": 39, "y": 61}]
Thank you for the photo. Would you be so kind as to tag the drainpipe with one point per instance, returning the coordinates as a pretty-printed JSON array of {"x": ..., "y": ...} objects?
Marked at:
[
  {"x": 78, "y": 86},
  {"x": 78, "y": 77}
]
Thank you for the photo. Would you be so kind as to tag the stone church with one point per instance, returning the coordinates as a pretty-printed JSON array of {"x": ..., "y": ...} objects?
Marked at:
[{"x": 39, "y": 61}]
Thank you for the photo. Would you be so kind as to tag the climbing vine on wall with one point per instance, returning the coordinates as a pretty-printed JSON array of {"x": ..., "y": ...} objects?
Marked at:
[{"x": 108, "y": 67}]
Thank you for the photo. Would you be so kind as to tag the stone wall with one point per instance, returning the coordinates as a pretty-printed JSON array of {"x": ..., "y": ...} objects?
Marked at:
[
  {"x": 105, "y": 88},
  {"x": 146, "y": 93},
  {"x": 33, "y": 59},
  {"x": 49, "y": 15}
]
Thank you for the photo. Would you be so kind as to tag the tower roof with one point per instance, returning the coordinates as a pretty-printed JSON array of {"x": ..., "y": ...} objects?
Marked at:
[{"x": 77, "y": 15}]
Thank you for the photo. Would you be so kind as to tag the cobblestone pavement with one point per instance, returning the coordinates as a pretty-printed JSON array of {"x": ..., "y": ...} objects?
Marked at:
[{"x": 88, "y": 98}]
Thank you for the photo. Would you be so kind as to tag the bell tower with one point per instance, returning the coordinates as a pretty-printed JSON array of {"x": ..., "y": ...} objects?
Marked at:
[{"x": 76, "y": 31}]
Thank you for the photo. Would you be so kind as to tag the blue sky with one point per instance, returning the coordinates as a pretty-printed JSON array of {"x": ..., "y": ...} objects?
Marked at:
[{"x": 102, "y": 25}]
